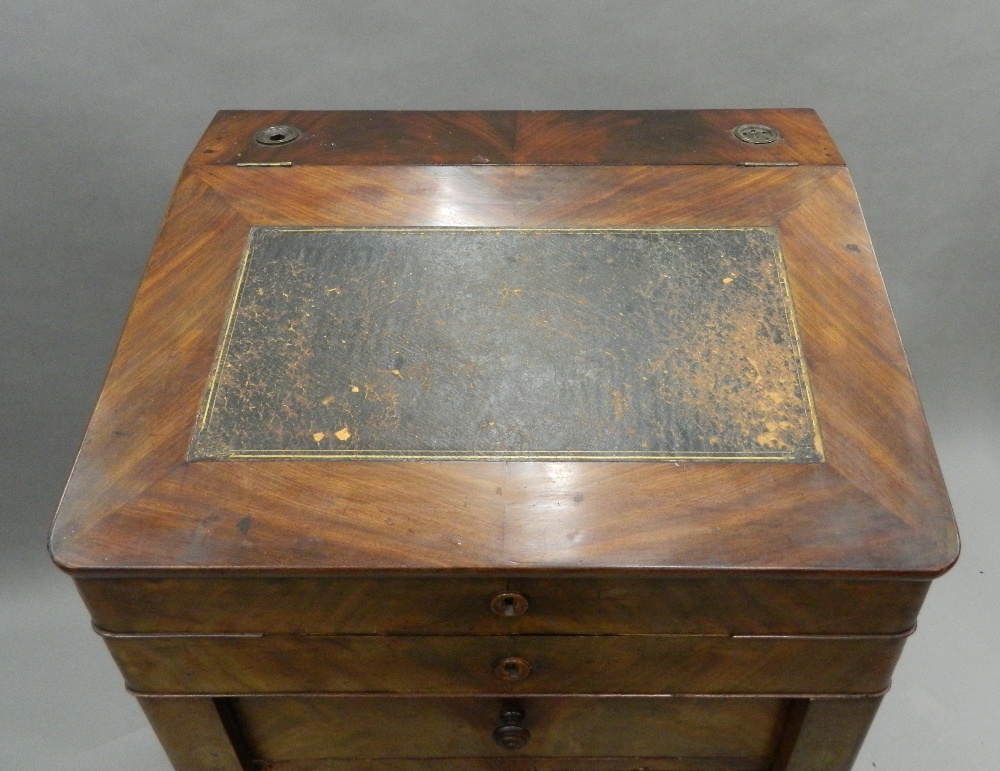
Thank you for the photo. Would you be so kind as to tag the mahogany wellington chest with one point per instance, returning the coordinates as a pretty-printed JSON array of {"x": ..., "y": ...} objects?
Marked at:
[{"x": 509, "y": 440}]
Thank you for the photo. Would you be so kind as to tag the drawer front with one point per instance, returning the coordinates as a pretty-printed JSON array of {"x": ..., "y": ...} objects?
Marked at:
[
  {"x": 526, "y": 763},
  {"x": 639, "y": 664},
  {"x": 729, "y": 733},
  {"x": 724, "y": 604}
]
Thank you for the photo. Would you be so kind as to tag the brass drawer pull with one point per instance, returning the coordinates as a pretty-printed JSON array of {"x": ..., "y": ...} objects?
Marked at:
[
  {"x": 509, "y": 604},
  {"x": 511, "y": 734},
  {"x": 512, "y": 668}
]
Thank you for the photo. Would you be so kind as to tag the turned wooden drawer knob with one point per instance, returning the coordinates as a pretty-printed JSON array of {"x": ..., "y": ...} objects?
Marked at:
[
  {"x": 509, "y": 604},
  {"x": 512, "y": 668},
  {"x": 511, "y": 734}
]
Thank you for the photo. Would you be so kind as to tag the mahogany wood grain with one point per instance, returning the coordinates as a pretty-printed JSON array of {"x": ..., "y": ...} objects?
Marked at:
[
  {"x": 192, "y": 734},
  {"x": 603, "y": 664},
  {"x": 817, "y": 735},
  {"x": 234, "y": 594},
  {"x": 528, "y": 764},
  {"x": 825, "y": 734},
  {"x": 367, "y": 137},
  {"x": 525, "y": 196},
  {"x": 876, "y": 506},
  {"x": 458, "y": 605},
  {"x": 304, "y": 729}
]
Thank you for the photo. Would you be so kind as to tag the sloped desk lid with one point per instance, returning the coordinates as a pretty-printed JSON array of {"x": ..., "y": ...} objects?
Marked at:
[{"x": 452, "y": 343}]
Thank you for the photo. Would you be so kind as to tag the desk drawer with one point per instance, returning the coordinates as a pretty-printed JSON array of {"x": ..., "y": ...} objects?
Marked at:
[
  {"x": 722, "y": 733},
  {"x": 637, "y": 664},
  {"x": 724, "y": 604}
]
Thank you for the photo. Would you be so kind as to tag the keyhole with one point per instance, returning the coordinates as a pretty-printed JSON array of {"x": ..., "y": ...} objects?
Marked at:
[
  {"x": 512, "y": 668},
  {"x": 509, "y": 604},
  {"x": 276, "y": 135},
  {"x": 756, "y": 134}
]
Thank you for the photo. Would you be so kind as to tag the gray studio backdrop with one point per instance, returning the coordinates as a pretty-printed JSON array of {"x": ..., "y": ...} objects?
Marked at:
[{"x": 101, "y": 101}]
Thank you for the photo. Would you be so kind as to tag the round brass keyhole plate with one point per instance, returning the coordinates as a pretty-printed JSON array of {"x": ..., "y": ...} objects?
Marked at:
[
  {"x": 512, "y": 669},
  {"x": 509, "y": 604},
  {"x": 277, "y": 135},
  {"x": 756, "y": 134}
]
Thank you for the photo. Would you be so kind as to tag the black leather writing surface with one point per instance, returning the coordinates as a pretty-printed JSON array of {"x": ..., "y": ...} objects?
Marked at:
[{"x": 663, "y": 344}]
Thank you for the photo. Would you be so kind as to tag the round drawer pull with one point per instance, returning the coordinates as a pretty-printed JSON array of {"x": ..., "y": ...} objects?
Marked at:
[
  {"x": 511, "y": 735},
  {"x": 509, "y": 604},
  {"x": 512, "y": 668}
]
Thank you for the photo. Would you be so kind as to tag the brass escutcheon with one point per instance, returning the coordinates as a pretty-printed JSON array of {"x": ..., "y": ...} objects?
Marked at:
[
  {"x": 509, "y": 604},
  {"x": 756, "y": 134},
  {"x": 512, "y": 669},
  {"x": 277, "y": 135}
]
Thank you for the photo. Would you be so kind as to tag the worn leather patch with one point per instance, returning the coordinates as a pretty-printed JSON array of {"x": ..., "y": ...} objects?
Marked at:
[{"x": 474, "y": 343}]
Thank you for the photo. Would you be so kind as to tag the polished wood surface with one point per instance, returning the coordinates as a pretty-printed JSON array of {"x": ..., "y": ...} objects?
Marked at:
[
  {"x": 528, "y": 764},
  {"x": 825, "y": 734},
  {"x": 632, "y": 664},
  {"x": 877, "y": 504},
  {"x": 193, "y": 734},
  {"x": 239, "y": 596},
  {"x": 283, "y": 728},
  {"x": 460, "y": 605},
  {"x": 797, "y": 735},
  {"x": 360, "y": 138}
]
